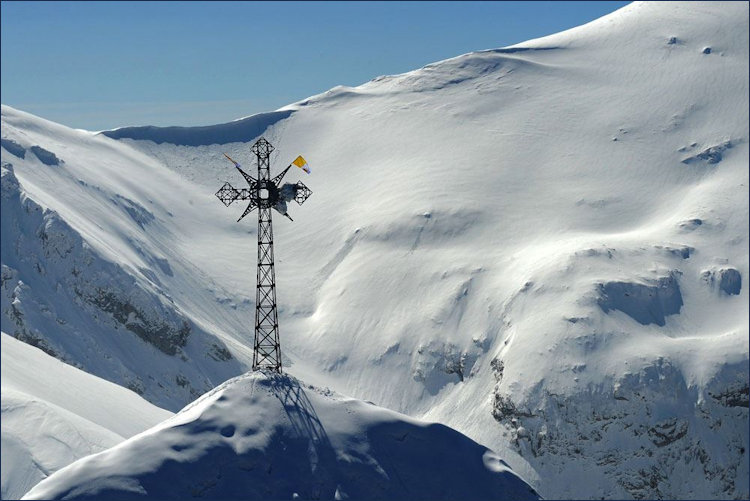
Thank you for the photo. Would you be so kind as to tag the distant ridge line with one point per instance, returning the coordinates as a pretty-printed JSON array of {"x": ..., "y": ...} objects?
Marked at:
[
  {"x": 239, "y": 131},
  {"x": 511, "y": 50}
]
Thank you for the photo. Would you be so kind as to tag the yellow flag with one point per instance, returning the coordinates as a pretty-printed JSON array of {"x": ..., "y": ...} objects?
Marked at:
[{"x": 302, "y": 164}]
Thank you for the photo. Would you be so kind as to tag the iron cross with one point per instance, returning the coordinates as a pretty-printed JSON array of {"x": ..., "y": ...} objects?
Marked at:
[{"x": 265, "y": 193}]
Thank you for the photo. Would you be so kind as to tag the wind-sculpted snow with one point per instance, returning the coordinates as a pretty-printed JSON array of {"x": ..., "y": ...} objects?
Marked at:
[
  {"x": 54, "y": 414},
  {"x": 239, "y": 131},
  {"x": 54, "y": 282},
  {"x": 268, "y": 436}
]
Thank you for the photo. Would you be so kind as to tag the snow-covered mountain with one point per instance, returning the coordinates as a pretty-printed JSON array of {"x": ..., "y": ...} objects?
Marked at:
[
  {"x": 54, "y": 414},
  {"x": 80, "y": 282},
  {"x": 543, "y": 246},
  {"x": 266, "y": 436}
]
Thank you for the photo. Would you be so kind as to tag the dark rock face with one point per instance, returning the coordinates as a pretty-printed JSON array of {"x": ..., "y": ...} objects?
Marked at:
[
  {"x": 44, "y": 156},
  {"x": 734, "y": 395},
  {"x": 730, "y": 281},
  {"x": 646, "y": 304},
  {"x": 667, "y": 432},
  {"x": 138, "y": 213},
  {"x": 219, "y": 353},
  {"x": 165, "y": 337},
  {"x": 56, "y": 247},
  {"x": 637, "y": 433},
  {"x": 711, "y": 155},
  {"x": 58, "y": 294},
  {"x": 691, "y": 224},
  {"x": 13, "y": 148}
]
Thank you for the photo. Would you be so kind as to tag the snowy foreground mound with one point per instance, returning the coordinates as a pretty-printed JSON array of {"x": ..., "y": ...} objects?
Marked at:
[
  {"x": 53, "y": 414},
  {"x": 266, "y": 436}
]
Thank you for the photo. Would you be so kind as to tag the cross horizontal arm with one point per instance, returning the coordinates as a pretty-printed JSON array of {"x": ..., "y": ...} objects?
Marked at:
[
  {"x": 228, "y": 194},
  {"x": 245, "y": 194},
  {"x": 302, "y": 193}
]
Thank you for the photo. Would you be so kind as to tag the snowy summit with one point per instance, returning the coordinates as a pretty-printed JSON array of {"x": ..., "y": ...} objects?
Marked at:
[{"x": 267, "y": 436}]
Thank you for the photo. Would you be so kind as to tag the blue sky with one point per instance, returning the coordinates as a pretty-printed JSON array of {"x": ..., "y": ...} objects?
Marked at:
[{"x": 99, "y": 65}]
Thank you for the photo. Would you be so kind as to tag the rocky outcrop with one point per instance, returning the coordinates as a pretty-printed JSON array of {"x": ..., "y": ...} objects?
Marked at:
[
  {"x": 168, "y": 339},
  {"x": 646, "y": 303},
  {"x": 45, "y": 156},
  {"x": 710, "y": 155},
  {"x": 60, "y": 295},
  {"x": 107, "y": 287},
  {"x": 726, "y": 280},
  {"x": 13, "y": 148},
  {"x": 639, "y": 435},
  {"x": 438, "y": 363}
]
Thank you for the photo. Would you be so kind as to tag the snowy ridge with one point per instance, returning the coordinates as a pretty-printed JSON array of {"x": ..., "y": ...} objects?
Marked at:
[
  {"x": 491, "y": 238},
  {"x": 242, "y": 130},
  {"x": 267, "y": 436},
  {"x": 111, "y": 319},
  {"x": 53, "y": 414}
]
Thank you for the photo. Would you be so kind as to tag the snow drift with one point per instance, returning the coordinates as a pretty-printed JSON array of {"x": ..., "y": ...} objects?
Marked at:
[
  {"x": 53, "y": 414},
  {"x": 268, "y": 436}
]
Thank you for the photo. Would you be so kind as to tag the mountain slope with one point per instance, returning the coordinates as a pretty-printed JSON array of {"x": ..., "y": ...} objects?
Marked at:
[
  {"x": 266, "y": 436},
  {"x": 53, "y": 414},
  {"x": 87, "y": 298},
  {"x": 544, "y": 246}
]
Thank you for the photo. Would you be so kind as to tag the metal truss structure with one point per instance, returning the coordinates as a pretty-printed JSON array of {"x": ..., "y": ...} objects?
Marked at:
[{"x": 265, "y": 193}]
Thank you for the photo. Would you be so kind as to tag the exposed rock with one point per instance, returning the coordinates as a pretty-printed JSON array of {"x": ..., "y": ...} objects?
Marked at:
[
  {"x": 219, "y": 353},
  {"x": 736, "y": 395},
  {"x": 135, "y": 385},
  {"x": 682, "y": 252},
  {"x": 504, "y": 408},
  {"x": 10, "y": 186},
  {"x": 165, "y": 337},
  {"x": 690, "y": 224},
  {"x": 728, "y": 280},
  {"x": 435, "y": 361},
  {"x": 12, "y": 291},
  {"x": 668, "y": 431},
  {"x": 646, "y": 304},
  {"x": 13, "y": 148},
  {"x": 711, "y": 155},
  {"x": 136, "y": 211},
  {"x": 654, "y": 423},
  {"x": 498, "y": 367},
  {"x": 456, "y": 366},
  {"x": 62, "y": 296},
  {"x": 44, "y": 156}
]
